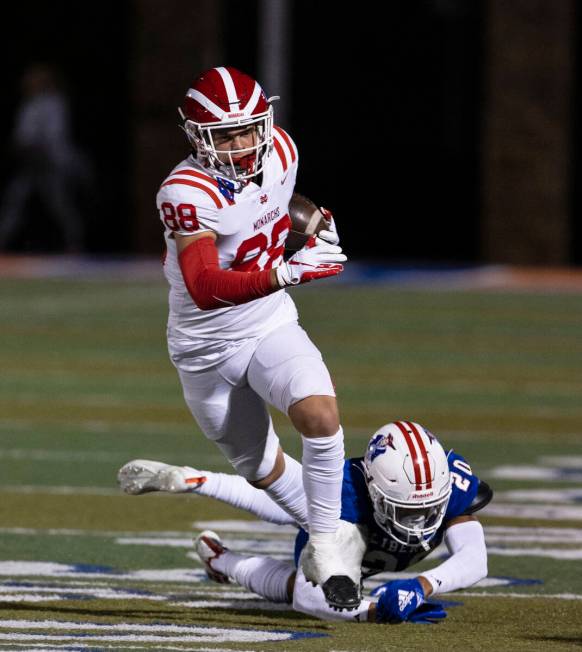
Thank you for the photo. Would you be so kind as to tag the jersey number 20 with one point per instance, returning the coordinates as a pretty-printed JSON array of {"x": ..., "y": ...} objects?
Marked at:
[{"x": 460, "y": 482}]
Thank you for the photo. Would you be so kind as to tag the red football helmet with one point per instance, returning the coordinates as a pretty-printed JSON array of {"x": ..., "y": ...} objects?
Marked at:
[{"x": 222, "y": 99}]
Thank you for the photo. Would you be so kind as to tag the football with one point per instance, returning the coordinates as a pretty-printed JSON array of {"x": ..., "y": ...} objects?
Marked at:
[{"x": 306, "y": 220}]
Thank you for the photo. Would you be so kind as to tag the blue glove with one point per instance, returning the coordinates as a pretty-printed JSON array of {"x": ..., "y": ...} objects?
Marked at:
[
  {"x": 429, "y": 613},
  {"x": 398, "y": 600}
]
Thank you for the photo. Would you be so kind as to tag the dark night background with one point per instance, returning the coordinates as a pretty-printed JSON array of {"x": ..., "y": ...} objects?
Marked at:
[{"x": 389, "y": 113}]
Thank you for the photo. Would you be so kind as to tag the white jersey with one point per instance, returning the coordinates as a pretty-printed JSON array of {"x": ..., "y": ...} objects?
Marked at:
[{"x": 251, "y": 227}]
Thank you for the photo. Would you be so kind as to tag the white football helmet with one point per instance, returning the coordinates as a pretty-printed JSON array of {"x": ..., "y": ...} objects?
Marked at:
[
  {"x": 224, "y": 98},
  {"x": 408, "y": 480}
]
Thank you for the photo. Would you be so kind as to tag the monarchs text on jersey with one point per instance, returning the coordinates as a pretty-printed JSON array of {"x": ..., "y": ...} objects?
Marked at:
[{"x": 251, "y": 228}]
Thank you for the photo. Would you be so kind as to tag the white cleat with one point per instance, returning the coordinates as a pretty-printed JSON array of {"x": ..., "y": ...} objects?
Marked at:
[
  {"x": 209, "y": 547},
  {"x": 143, "y": 476},
  {"x": 324, "y": 563}
]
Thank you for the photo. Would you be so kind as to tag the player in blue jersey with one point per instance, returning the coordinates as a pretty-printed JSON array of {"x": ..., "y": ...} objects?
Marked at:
[{"x": 399, "y": 502}]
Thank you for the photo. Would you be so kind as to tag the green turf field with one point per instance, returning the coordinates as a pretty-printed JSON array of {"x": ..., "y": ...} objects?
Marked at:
[{"x": 86, "y": 385}]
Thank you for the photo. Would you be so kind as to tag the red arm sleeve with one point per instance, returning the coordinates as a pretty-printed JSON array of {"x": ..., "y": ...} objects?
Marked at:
[{"x": 212, "y": 287}]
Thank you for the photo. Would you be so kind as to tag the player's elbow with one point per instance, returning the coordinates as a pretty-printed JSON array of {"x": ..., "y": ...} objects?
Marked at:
[
  {"x": 477, "y": 566},
  {"x": 202, "y": 300},
  {"x": 200, "y": 291},
  {"x": 480, "y": 558},
  {"x": 482, "y": 569},
  {"x": 206, "y": 303}
]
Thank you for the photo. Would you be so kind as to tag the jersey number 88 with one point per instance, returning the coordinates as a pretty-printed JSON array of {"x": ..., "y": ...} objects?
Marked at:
[
  {"x": 181, "y": 217},
  {"x": 257, "y": 253}
]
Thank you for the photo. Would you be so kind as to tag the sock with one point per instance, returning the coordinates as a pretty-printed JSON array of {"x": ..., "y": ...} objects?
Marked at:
[
  {"x": 236, "y": 491},
  {"x": 287, "y": 491},
  {"x": 323, "y": 464},
  {"x": 264, "y": 576}
]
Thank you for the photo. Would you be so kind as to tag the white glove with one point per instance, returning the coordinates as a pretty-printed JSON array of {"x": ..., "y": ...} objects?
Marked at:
[
  {"x": 311, "y": 262},
  {"x": 330, "y": 236}
]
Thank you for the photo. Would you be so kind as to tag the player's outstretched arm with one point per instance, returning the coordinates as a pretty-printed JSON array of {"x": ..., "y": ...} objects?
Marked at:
[
  {"x": 405, "y": 600},
  {"x": 467, "y": 564}
]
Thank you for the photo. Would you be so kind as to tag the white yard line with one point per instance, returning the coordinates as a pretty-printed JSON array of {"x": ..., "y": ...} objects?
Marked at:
[
  {"x": 252, "y": 546},
  {"x": 543, "y": 596},
  {"x": 55, "y": 647},
  {"x": 68, "y": 532},
  {"x": 543, "y": 512},
  {"x": 252, "y": 527},
  {"x": 59, "y": 490},
  {"x": 254, "y": 637},
  {"x": 260, "y": 605},
  {"x": 567, "y": 461},
  {"x": 65, "y": 571},
  {"x": 48, "y": 455},
  {"x": 81, "y": 646},
  {"x": 138, "y": 632},
  {"x": 550, "y": 553},
  {"x": 532, "y": 472},
  {"x": 562, "y": 496}
]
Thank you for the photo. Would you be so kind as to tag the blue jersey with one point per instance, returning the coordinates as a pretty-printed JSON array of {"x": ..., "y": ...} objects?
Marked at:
[{"x": 384, "y": 553}]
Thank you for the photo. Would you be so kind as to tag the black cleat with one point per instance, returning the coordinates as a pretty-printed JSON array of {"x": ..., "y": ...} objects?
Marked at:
[{"x": 341, "y": 593}]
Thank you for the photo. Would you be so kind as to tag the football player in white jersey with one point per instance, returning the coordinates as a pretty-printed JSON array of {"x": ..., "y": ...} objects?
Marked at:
[
  {"x": 399, "y": 503},
  {"x": 233, "y": 333}
]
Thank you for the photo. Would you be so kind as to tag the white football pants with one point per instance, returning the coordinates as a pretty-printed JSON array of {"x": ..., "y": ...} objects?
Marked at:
[{"x": 229, "y": 401}]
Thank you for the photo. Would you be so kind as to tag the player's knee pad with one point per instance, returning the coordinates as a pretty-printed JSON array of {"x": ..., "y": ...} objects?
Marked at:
[
  {"x": 291, "y": 380},
  {"x": 257, "y": 461},
  {"x": 299, "y": 378},
  {"x": 287, "y": 367}
]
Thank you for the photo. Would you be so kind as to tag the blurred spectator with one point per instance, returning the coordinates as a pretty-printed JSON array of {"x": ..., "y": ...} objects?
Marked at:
[{"x": 45, "y": 160}]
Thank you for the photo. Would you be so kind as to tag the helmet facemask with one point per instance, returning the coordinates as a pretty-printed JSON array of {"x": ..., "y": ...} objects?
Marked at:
[
  {"x": 412, "y": 525},
  {"x": 203, "y": 137}
]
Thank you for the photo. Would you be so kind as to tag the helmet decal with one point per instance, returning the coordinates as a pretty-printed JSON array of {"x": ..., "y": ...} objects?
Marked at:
[{"x": 378, "y": 445}]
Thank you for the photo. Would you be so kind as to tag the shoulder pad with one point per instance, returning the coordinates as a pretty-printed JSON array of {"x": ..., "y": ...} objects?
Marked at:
[
  {"x": 200, "y": 189},
  {"x": 482, "y": 498},
  {"x": 199, "y": 193},
  {"x": 285, "y": 147}
]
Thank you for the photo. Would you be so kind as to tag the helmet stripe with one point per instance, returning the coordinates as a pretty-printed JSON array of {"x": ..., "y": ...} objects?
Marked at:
[
  {"x": 206, "y": 103},
  {"x": 413, "y": 455},
  {"x": 231, "y": 94},
  {"x": 422, "y": 449},
  {"x": 253, "y": 100}
]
